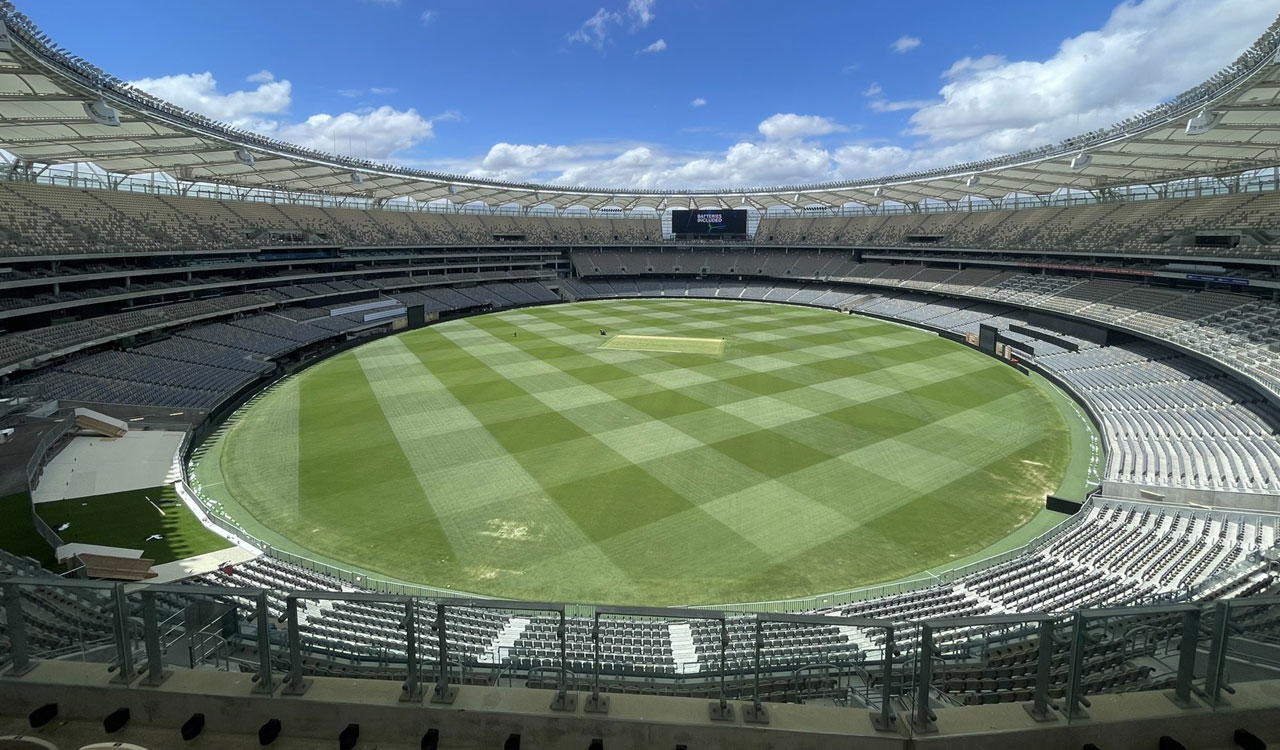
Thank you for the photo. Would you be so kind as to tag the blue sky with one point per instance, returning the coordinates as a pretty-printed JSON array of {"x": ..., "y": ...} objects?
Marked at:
[{"x": 658, "y": 93}]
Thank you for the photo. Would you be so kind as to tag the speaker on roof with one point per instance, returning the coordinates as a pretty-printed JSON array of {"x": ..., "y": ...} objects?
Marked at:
[
  {"x": 244, "y": 157},
  {"x": 877, "y": 192},
  {"x": 102, "y": 113},
  {"x": 1081, "y": 160},
  {"x": 973, "y": 180},
  {"x": 357, "y": 178},
  {"x": 1203, "y": 122}
]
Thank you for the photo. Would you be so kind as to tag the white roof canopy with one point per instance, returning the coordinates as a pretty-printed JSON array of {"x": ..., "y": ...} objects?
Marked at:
[{"x": 51, "y": 113}]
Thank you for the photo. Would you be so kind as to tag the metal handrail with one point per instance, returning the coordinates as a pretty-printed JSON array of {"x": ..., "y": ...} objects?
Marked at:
[{"x": 905, "y": 665}]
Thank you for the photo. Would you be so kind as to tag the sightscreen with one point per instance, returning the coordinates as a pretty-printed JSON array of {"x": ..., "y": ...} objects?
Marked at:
[{"x": 712, "y": 221}]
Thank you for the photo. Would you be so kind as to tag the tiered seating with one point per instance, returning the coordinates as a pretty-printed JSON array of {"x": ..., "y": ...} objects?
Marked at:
[
  {"x": 202, "y": 366},
  {"x": 58, "y": 620},
  {"x": 44, "y": 220},
  {"x": 1173, "y": 421},
  {"x": 1113, "y": 553}
]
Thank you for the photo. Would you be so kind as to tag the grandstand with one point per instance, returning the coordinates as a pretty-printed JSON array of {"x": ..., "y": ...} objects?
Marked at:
[{"x": 1153, "y": 307}]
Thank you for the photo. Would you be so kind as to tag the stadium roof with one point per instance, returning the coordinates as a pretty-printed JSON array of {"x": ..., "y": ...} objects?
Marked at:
[{"x": 56, "y": 108}]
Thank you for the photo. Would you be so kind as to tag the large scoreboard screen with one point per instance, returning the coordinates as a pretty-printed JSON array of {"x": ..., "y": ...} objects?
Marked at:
[{"x": 709, "y": 221}]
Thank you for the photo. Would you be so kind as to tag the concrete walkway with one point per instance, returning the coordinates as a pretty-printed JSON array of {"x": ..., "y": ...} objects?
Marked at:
[{"x": 192, "y": 566}]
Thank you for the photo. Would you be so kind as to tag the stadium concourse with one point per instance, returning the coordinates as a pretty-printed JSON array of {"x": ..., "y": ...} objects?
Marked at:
[{"x": 1135, "y": 326}]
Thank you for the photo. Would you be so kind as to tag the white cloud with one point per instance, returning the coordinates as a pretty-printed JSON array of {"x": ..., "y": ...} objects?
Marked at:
[
  {"x": 790, "y": 126},
  {"x": 595, "y": 30},
  {"x": 905, "y": 43},
  {"x": 262, "y": 76},
  {"x": 375, "y": 133},
  {"x": 657, "y": 46},
  {"x": 882, "y": 105},
  {"x": 781, "y": 158},
  {"x": 878, "y": 103},
  {"x": 1138, "y": 58},
  {"x": 427, "y": 17},
  {"x": 199, "y": 92},
  {"x": 375, "y": 91},
  {"x": 509, "y": 158},
  {"x": 641, "y": 12},
  {"x": 651, "y": 166},
  {"x": 699, "y": 102}
]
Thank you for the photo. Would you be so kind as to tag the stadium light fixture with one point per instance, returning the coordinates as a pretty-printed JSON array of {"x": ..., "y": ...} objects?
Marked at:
[
  {"x": 1081, "y": 160},
  {"x": 102, "y": 113},
  {"x": 1202, "y": 122}
]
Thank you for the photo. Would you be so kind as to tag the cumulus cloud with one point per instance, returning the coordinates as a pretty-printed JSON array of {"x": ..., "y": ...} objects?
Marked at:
[
  {"x": 375, "y": 133},
  {"x": 199, "y": 93},
  {"x": 1138, "y": 58},
  {"x": 653, "y": 166},
  {"x": 781, "y": 156},
  {"x": 427, "y": 17},
  {"x": 789, "y": 126},
  {"x": 905, "y": 43},
  {"x": 657, "y": 46},
  {"x": 699, "y": 102},
  {"x": 595, "y": 30},
  {"x": 649, "y": 166}
]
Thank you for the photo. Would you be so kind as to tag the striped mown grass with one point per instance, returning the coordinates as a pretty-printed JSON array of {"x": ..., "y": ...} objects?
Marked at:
[{"x": 511, "y": 455}]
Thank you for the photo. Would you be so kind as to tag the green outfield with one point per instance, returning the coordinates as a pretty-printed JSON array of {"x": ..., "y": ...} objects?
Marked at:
[{"x": 520, "y": 454}]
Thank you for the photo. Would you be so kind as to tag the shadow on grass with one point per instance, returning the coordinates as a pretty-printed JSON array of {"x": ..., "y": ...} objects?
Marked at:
[{"x": 132, "y": 519}]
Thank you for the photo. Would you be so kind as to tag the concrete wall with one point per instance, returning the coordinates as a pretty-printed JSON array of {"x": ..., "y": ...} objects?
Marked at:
[
  {"x": 480, "y": 717},
  {"x": 1255, "y": 501},
  {"x": 485, "y": 717}
]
